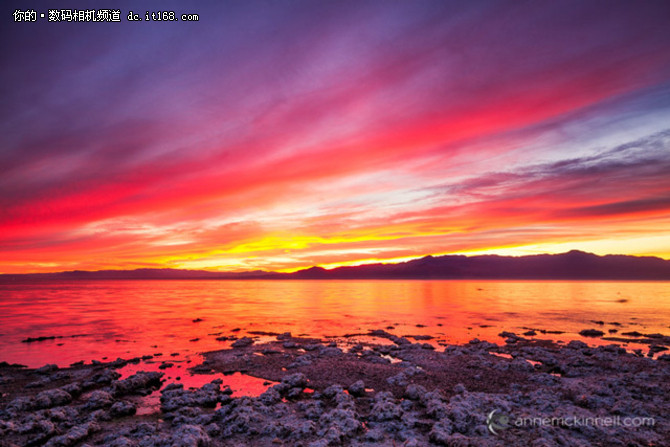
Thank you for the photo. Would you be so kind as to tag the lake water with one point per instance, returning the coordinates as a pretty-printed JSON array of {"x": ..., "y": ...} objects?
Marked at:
[{"x": 132, "y": 318}]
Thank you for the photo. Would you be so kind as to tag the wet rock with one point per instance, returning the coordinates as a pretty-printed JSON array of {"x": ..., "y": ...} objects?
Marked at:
[
  {"x": 284, "y": 336},
  {"x": 357, "y": 388},
  {"x": 121, "y": 409},
  {"x": 399, "y": 379},
  {"x": 105, "y": 377},
  {"x": 294, "y": 393},
  {"x": 400, "y": 341},
  {"x": 240, "y": 416},
  {"x": 74, "y": 435},
  {"x": 576, "y": 344},
  {"x": 312, "y": 409},
  {"x": 434, "y": 403},
  {"x": 120, "y": 441},
  {"x": 441, "y": 432},
  {"x": 330, "y": 351},
  {"x": 52, "y": 398},
  {"x": 415, "y": 392},
  {"x": 73, "y": 388},
  {"x": 39, "y": 384},
  {"x": 655, "y": 335},
  {"x": 303, "y": 360},
  {"x": 339, "y": 425},
  {"x": 243, "y": 342},
  {"x": 99, "y": 399},
  {"x": 374, "y": 435},
  {"x": 384, "y": 408},
  {"x": 333, "y": 390},
  {"x": 174, "y": 397},
  {"x": 47, "y": 369},
  {"x": 119, "y": 362},
  {"x": 270, "y": 397},
  {"x": 141, "y": 383},
  {"x": 653, "y": 349},
  {"x": 295, "y": 380},
  {"x": 165, "y": 365},
  {"x": 509, "y": 335},
  {"x": 190, "y": 436}
]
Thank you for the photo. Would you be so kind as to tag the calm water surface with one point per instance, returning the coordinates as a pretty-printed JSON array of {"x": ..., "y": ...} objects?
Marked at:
[{"x": 133, "y": 318}]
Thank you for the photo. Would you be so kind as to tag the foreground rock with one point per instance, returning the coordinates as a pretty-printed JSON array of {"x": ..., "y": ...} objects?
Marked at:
[{"x": 396, "y": 393}]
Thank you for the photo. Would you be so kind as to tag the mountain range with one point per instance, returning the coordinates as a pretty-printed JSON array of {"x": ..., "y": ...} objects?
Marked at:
[{"x": 571, "y": 265}]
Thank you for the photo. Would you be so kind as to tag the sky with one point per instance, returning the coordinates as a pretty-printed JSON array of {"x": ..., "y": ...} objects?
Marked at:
[{"x": 278, "y": 135}]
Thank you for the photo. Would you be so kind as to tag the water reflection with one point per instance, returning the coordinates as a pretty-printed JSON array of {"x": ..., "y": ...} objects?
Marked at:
[{"x": 134, "y": 318}]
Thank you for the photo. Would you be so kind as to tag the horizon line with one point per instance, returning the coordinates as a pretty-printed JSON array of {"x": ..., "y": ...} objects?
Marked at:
[{"x": 303, "y": 268}]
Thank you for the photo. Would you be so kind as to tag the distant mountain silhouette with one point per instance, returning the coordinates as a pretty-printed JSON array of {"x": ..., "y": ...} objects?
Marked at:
[{"x": 571, "y": 265}]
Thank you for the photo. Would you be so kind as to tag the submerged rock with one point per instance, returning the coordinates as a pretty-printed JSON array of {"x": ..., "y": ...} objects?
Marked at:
[{"x": 591, "y": 333}]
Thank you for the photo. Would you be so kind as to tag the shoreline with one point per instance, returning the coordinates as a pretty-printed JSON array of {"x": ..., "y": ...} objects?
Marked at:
[{"x": 387, "y": 390}]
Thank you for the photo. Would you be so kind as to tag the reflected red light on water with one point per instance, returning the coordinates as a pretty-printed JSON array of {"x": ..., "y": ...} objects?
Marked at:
[{"x": 134, "y": 318}]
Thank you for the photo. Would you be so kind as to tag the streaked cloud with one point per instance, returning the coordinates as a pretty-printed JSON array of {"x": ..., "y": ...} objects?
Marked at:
[{"x": 281, "y": 135}]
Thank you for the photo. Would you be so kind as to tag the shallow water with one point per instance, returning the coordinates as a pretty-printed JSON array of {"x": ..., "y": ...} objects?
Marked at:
[{"x": 133, "y": 318}]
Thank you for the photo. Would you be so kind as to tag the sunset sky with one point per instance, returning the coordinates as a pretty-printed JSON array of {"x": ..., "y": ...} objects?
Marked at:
[{"x": 278, "y": 135}]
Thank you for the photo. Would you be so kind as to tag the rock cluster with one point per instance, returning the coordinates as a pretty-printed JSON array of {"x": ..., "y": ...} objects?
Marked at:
[{"x": 356, "y": 397}]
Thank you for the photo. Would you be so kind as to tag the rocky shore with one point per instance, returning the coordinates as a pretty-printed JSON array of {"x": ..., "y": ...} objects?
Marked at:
[{"x": 384, "y": 390}]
